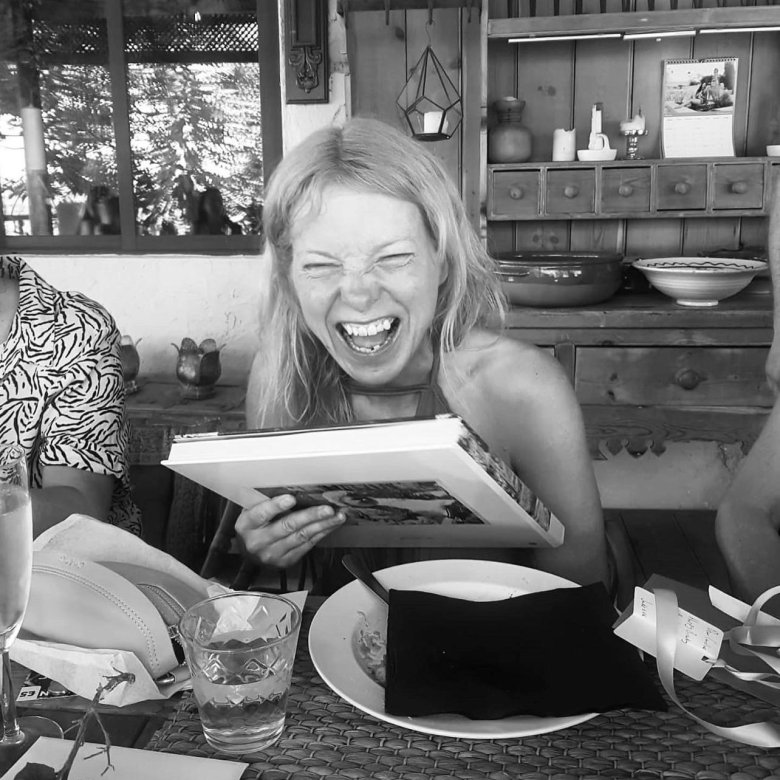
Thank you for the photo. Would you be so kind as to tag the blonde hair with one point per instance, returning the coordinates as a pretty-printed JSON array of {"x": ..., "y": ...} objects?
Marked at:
[{"x": 298, "y": 378}]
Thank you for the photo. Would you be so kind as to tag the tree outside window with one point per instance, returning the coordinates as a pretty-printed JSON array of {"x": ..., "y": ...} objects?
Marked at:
[{"x": 134, "y": 124}]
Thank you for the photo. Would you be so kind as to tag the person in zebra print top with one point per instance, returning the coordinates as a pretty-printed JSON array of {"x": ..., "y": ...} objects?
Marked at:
[{"x": 62, "y": 399}]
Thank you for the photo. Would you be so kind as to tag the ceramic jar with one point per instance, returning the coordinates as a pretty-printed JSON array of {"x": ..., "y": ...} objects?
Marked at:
[{"x": 509, "y": 140}]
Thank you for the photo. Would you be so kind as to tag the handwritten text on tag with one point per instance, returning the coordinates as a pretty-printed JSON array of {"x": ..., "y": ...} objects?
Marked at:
[{"x": 696, "y": 639}]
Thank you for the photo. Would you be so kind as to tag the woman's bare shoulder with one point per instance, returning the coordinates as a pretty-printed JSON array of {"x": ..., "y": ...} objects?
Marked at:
[{"x": 496, "y": 360}]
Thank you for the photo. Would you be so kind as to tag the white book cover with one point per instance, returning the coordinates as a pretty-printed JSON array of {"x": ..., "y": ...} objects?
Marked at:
[{"x": 411, "y": 482}]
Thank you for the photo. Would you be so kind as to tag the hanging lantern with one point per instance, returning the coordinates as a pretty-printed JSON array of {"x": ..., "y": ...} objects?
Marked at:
[{"x": 429, "y": 100}]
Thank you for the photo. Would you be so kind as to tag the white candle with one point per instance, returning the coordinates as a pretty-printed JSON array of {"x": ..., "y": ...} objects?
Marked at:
[
  {"x": 432, "y": 122},
  {"x": 639, "y": 119},
  {"x": 595, "y": 119}
]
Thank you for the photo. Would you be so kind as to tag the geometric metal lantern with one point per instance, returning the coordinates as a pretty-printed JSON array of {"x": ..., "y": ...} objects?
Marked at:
[{"x": 429, "y": 100}]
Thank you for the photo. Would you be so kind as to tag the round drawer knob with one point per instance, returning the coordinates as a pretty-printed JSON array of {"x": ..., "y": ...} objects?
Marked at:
[
  {"x": 571, "y": 191},
  {"x": 682, "y": 188},
  {"x": 739, "y": 187},
  {"x": 625, "y": 190},
  {"x": 516, "y": 193},
  {"x": 688, "y": 379}
]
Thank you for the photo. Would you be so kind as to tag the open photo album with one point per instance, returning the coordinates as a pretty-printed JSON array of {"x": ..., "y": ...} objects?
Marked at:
[{"x": 403, "y": 482}]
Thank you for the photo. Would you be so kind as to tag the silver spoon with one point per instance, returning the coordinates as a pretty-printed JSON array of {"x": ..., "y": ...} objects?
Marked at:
[{"x": 366, "y": 576}]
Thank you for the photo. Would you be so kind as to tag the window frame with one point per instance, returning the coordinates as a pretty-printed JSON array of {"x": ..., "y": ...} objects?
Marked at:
[{"x": 129, "y": 242}]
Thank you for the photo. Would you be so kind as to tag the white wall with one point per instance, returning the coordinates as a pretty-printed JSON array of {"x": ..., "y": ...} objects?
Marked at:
[{"x": 162, "y": 299}]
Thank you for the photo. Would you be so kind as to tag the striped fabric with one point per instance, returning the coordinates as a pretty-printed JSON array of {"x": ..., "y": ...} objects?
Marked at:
[{"x": 61, "y": 386}]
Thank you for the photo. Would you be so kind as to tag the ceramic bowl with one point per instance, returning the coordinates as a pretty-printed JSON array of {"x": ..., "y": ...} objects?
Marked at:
[
  {"x": 596, "y": 155},
  {"x": 699, "y": 281},
  {"x": 554, "y": 279}
]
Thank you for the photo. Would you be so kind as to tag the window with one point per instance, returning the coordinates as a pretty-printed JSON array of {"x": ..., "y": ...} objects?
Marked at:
[{"x": 137, "y": 125}]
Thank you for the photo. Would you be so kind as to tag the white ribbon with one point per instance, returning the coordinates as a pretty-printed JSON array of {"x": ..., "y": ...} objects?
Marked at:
[{"x": 741, "y": 639}]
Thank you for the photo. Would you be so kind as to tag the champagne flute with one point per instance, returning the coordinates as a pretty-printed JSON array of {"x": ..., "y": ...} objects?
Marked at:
[{"x": 16, "y": 537}]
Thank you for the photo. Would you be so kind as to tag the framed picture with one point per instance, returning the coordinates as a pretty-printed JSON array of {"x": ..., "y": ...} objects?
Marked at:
[{"x": 698, "y": 107}]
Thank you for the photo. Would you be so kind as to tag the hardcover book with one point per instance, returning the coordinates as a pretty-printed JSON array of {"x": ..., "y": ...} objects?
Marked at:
[{"x": 406, "y": 482}]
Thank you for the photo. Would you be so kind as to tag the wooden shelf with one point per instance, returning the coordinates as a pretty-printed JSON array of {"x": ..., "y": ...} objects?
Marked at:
[
  {"x": 629, "y": 189},
  {"x": 633, "y": 22}
]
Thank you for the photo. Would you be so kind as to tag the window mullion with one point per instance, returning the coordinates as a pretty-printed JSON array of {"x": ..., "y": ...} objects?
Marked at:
[{"x": 117, "y": 69}]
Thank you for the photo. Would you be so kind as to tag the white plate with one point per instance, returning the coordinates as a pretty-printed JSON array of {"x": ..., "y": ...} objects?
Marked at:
[{"x": 337, "y": 622}]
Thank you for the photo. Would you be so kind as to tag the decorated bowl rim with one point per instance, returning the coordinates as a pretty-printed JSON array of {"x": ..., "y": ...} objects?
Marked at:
[{"x": 700, "y": 265}]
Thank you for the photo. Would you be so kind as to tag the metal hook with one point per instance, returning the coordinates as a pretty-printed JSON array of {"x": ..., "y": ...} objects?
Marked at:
[
  {"x": 387, "y": 13},
  {"x": 469, "y": 5},
  {"x": 430, "y": 12}
]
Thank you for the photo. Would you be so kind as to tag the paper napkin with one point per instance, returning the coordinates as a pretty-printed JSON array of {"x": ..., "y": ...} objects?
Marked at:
[
  {"x": 127, "y": 763},
  {"x": 550, "y": 653}
]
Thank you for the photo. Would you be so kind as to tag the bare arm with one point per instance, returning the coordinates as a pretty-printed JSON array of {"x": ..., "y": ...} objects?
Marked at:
[
  {"x": 548, "y": 449},
  {"x": 66, "y": 491},
  {"x": 748, "y": 520},
  {"x": 773, "y": 256}
]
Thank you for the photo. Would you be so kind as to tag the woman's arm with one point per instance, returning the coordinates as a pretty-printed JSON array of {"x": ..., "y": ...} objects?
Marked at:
[
  {"x": 66, "y": 491},
  {"x": 748, "y": 520},
  {"x": 540, "y": 421}
]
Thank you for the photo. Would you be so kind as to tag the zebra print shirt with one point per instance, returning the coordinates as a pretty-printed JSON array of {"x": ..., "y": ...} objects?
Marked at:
[{"x": 62, "y": 392}]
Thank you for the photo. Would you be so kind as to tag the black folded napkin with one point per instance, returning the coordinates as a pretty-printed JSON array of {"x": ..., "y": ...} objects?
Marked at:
[{"x": 545, "y": 654}]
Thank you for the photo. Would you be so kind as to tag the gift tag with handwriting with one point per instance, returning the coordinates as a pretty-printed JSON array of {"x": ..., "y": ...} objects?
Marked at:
[{"x": 697, "y": 640}]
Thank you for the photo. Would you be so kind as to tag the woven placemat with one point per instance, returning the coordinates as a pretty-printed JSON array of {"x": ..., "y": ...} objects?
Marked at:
[{"x": 327, "y": 738}]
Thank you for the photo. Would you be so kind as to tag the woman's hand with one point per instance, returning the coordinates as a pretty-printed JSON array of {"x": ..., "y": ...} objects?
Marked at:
[{"x": 282, "y": 541}]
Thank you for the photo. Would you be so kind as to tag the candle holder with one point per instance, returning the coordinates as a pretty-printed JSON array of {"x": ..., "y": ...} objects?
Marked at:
[
  {"x": 197, "y": 368},
  {"x": 632, "y": 143}
]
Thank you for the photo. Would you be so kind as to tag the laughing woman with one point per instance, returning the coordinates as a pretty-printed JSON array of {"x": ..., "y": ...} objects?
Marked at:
[{"x": 379, "y": 304}]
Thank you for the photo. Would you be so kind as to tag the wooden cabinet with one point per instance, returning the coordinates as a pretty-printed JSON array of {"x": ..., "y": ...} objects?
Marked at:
[
  {"x": 647, "y": 371},
  {"x": 631, "y": 190},
  {"x": 654, "y": 204}
]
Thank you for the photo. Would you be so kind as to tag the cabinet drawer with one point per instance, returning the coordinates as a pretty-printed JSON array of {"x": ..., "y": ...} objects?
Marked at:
[
  {"x": 681, "y": 187},
  {"x": 738, "y": 186},
  {"x": 514, "y": 194},
  {"x": 637, "y": 376},
  {"x": 571, "y": 191},
  {"x": 625, "y": 189}
]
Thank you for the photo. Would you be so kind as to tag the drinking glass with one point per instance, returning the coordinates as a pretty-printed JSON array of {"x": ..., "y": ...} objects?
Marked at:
[
  {"x": 16, "y": 537},
  {"x": 240, "y": 648}
]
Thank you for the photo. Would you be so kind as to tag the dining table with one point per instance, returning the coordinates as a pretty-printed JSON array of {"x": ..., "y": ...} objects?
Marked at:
[{"x": 325, "y": 737}]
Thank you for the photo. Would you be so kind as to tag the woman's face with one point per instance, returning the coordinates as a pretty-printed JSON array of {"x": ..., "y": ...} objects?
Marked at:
[{"x": 367, "y": 279}]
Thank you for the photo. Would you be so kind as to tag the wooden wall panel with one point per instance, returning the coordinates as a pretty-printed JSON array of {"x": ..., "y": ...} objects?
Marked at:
[
  {"x": 707, "y": 235},
  {"x": 599, "y": 235},
  {"x": 547, "y": 235},
  {"x": 382, "y": 56},
  {"x": 648, "y": 73},
  {"x": 653, "y": 238},
  {"x": 377, "y": 63},
  {"x": 602, "y": 75},
  {"x": 545, "y": 80},
  {"x": 732, "y": 45},
  {"x": 763, "y": 116},
  {"x": 444, "y": 38}
]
